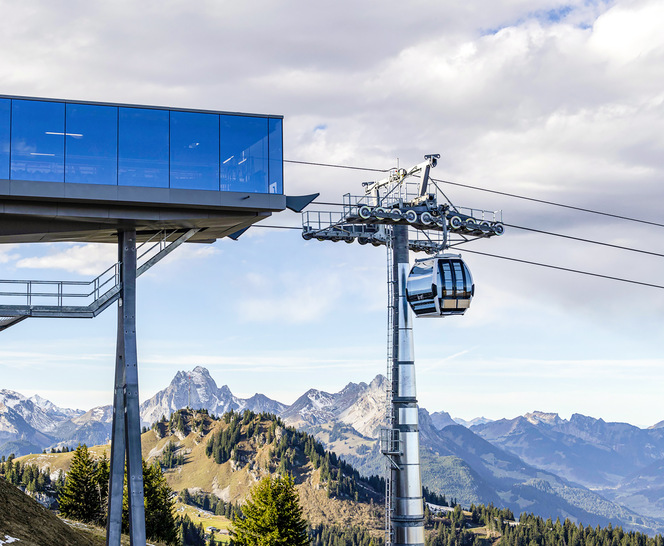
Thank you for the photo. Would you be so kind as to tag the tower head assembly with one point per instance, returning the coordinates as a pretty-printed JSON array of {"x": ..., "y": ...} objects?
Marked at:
[{"x": 439, "y": 286}]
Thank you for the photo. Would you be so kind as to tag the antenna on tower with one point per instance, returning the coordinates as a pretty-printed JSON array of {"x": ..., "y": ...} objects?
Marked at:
[{"x": 407, "y": 211}]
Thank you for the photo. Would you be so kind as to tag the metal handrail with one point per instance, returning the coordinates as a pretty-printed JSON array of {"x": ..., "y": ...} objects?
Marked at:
[
  {"x": 36, "y": 288},
  {"x": 39, "y": 298},
  {"x": 97, "y": 287},
  {"x": 159, "y": 244}
]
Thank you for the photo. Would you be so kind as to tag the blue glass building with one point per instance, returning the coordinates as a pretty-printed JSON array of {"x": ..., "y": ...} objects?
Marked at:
[{"x": 81, "y": 162}]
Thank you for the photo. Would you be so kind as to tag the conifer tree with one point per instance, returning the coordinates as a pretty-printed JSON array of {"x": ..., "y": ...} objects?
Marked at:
[
  {"x": 102, "y": 480},
  {"x": 272, "y": 516},
  {"x": 159, "y": 505},
  {"x": 79, "y": 498}
]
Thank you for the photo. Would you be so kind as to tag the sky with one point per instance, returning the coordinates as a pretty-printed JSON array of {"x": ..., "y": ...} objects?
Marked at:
[{"x": 558, "y": 101}]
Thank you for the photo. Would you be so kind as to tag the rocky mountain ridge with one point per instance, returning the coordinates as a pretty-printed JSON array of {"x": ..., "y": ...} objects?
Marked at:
[
  {"x": 197, "y": 389},
  {"x": 536, "y": 462},
  {"x": 361, "y": 406},
  {"x": 584, "y": 450}
]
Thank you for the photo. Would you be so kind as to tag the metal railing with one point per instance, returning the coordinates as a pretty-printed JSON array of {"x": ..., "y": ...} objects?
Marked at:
[
  {"x": 30, "y": 293},
  {"x": 20, "y": 299},
  {"x": 155, "y": 244},
  {"x": 481, "y": 215},
  {"x": 390, "y": 443}
]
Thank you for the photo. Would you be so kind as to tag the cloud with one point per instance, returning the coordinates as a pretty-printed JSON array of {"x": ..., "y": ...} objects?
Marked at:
[
  {"x": 95, "y": 258},
  {"x": 20, "y": 359},
  {"x": 629, "y": 32},
  {"x": 251, "y": 363},
  {"x": 293, "y": 298},
  {"x": 86, "y": 259},
  {"x": 7, "y": 253},
  {"x": 552, "y": 99},
  {"x": 511, "y": 387},
  {"x": 79, "y": 399}
]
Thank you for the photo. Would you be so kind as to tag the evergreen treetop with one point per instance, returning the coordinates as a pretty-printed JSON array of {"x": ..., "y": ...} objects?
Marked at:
[
  {"x": 81, "y": 497},
  {"x": 272, "y": 516}
]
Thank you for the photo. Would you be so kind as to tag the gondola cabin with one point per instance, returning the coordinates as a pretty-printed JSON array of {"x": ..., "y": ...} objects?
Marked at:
[{"x": 440, "y": 286}]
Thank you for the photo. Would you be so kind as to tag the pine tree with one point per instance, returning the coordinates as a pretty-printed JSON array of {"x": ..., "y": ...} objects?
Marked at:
[
  {"x": 160, "y": 523},
  {"x": 102, "y": 481},
  {"x": 159, "y": 504},
  {"x": 272, "y": 516},
  {"x": 189, "y": 533},
  {"x": 79, "y": 498}
]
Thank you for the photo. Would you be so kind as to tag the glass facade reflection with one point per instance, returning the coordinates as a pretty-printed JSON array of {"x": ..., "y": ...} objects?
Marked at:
[
  {"x": 91, "y": 144},
  {"x": 5, "y": 117},
  {"x": 244, "y": 149},
  {"x": 194, "y": 151},
  {"x": 37, "y": 141},
  {"x": 79, "y": 143},
  {"x": 143, "y": 147},
  {"x": 275, "y": 154}
]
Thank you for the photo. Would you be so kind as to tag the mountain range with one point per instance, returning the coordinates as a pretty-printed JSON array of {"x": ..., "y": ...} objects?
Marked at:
[{"x": 584, "y": 468}]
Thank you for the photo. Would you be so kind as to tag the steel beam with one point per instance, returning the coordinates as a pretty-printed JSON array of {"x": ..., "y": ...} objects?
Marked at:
[{"x": 126, "y": 434}]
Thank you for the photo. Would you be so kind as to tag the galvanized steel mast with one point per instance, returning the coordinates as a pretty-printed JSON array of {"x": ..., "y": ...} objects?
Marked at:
[{"x": 407, "y": 518}]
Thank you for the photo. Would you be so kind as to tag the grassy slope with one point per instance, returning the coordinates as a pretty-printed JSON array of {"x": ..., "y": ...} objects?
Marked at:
[
  {"x": 23, "y": 518},
  {"x": 232, "y": 481},
  {"x": 206, "y": 519},
  {"x": 60, "y": 461}
]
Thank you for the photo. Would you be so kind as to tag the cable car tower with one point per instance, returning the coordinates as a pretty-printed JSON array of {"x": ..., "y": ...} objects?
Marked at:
[{"x": 408, "y": 211}]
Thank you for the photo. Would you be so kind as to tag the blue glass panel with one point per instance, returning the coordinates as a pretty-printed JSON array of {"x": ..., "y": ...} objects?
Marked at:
[
  {"x": 276, "y": 155},
  {"x": 38, "y": 140},
  {"x": 5, "y": 108},
  {"x": 244, "y": 147},
  {"x": 143, "y": 147},
  {"x": 91, "y": 144},
  {"x": 194, "y": 151}
]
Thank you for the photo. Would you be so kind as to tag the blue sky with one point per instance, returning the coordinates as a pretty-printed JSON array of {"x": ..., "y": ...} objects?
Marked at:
[{"x": 567, "y": 108}]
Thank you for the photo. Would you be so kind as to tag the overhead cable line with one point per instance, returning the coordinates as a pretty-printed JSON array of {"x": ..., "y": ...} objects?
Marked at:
[
  {"x": 648, "y": 222},
  {"x": 336, "y": 166},
  {"x": 506, "y": 194},
  {"x": 581, "y": 239},
  {"x": 276, "y": 227},
  {"x": 518, "y": 260},
  {"x": 570, "y": 270}
]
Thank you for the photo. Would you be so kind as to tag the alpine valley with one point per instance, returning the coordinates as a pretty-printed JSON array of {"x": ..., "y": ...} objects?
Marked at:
[{"x": 585, "y": 469}]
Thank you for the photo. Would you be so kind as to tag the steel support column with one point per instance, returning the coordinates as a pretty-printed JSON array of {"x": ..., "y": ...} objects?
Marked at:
[
  {"x": 408, "y": 508},
  {"x": 126, "y": 434}
]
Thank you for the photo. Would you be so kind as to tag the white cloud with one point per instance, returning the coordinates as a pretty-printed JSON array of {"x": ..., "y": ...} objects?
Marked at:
[
  {"x": 630, "y": 31},
  {"x": 86, "y": 259},
  {"x": 95, "y": 258},
  {"x": 523, "y": 96},
  {"x": 7, "y": 253},
  {"x": 21, "y": 359},
  {"x": 79, "y": 399},
  {"x": 295, "y": 298}
]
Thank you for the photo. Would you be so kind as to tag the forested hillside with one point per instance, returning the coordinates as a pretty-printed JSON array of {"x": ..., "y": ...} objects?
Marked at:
[{"x": 213, "y": 462}]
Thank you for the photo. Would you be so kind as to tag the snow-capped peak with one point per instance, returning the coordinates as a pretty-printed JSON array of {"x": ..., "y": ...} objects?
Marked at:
[
  {"x": 11, "y": 398},
  {"x": 537, "y": 417}
]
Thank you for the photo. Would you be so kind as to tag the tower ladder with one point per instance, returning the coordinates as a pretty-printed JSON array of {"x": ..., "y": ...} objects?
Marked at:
[{"x": 391, "y": 307}]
